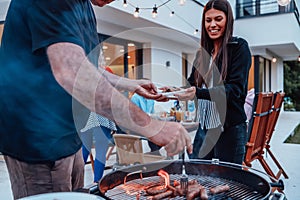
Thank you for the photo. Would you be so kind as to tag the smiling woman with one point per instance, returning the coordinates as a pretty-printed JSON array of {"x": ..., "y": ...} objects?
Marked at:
[{"x": 219, "y": 77}]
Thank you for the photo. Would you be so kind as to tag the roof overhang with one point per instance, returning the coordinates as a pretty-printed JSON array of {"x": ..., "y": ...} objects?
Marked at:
[{"x": 286, "y": 52}]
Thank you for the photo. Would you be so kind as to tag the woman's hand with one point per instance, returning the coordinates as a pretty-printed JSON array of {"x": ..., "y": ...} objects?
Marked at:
[{"x": 189, "y": 94}]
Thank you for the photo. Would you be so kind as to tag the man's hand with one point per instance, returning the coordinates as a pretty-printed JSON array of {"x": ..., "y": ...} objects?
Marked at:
[
  {"x": 148, "y": 90},
  {"x": 174, "y": 137}
]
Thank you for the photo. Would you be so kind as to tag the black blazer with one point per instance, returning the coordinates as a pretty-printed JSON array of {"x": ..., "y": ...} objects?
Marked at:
[{"x": 233, "y": 91}]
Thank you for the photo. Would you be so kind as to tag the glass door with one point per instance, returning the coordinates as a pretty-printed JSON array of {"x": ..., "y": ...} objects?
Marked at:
[{"x": 122, "y": 56}]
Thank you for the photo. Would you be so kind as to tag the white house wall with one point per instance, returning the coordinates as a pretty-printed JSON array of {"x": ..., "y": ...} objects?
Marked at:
[
  {"x": 277, "y": 82},
  {"x": 167, "y": 50},
  {"x": 161, "y": 53},
  {"x": 269, "y": 30},
  {"x": 3, "y": 9},
  {"x": 165, "y": 43}
]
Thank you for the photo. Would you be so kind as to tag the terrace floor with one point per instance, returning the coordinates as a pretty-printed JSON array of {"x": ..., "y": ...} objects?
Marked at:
[{"x": 287, "y": 155}]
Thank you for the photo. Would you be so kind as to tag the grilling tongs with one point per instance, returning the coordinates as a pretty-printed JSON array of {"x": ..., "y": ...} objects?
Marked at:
[{"x": 184, "y": 177}]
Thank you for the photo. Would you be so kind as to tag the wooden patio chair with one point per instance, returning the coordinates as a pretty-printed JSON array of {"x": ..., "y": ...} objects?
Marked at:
[
  {"x": 278, "y": 100},
  {"x": 108, "y": 154},
  {"x": 130, "y": 150},
  {"x": 266, "y": 108},
  {"x": 258, "y": 127}
]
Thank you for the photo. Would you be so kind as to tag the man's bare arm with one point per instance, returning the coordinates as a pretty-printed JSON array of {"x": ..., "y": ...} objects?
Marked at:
[{"x": 83, "y": 81}]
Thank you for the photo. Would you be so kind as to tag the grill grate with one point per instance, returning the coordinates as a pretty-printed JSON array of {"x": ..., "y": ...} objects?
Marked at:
[{"x": 137, "y": 187}]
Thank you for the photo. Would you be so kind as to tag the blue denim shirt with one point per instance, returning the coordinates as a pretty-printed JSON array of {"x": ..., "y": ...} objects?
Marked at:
[{"x": 147, "y": 105}]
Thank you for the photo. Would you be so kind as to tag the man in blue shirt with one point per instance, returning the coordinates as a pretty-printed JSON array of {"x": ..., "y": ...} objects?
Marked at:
[
  {"x": 147, "y": 105},
  {"x": 48, "y": 86}
]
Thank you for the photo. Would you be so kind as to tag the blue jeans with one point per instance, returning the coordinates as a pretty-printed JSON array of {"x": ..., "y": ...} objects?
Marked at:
[
  {"x": 103, "y": 137},
  {"x": 229, "y": 147}
]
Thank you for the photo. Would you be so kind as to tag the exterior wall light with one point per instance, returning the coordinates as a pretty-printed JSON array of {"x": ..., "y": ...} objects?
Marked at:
[{"x": 274, "y": 60}]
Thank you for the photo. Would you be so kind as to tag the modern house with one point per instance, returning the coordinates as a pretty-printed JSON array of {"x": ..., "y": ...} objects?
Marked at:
[{"x": 163, "y": 47}]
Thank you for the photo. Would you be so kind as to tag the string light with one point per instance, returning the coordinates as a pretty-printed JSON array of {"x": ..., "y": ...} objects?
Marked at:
[
  {"x": 154, "y": 12},
  {"x": 181, "y": 2},
  {"x": 125, "y": 4},
  {"x": 136, "y": 12},
  {"x": 283, "y": 2}
]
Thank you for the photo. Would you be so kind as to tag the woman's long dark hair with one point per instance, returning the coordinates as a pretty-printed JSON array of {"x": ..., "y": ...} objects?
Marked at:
[{"x": 203, "y": 55}]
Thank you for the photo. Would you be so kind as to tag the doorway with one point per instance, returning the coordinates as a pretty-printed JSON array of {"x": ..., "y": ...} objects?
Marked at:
[{"x": 123, "y": 56}]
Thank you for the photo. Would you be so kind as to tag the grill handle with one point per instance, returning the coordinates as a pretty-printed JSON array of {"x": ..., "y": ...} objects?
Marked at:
[
  {"x": 234, "y": 165},
  {"x": 279, "y": 184},
  {"x": 132, "y": 173},
  {"x": 278, "y": 196},
  {"x": 91, "y": 189}
]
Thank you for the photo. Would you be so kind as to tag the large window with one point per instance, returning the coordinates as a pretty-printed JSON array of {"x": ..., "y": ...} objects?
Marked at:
[
  {"x": 246, "y": 7},
  {"x": 249, "y": 8},
  {"x": 262, "y": 73}
]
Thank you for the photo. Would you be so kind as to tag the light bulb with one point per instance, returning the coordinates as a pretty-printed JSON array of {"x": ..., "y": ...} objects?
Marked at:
[
  {"x": 274, "y": 60},
  {"x": 154, "y": 12},
  {"x": 181, "y": 2},
  {"x": 125, "y": 4},
  {"x": 136, "y": 12},
  {"x": 283, "y": 2}
]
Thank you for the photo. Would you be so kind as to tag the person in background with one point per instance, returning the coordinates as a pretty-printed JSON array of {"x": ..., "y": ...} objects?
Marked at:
[
  {"x": 49, "y": 83},
  {"x": 98, "y": 130},
  {"x": 219, "y": 79},
  {"x": 147, "y": 105},
  {"x": 248, "y": 106}
]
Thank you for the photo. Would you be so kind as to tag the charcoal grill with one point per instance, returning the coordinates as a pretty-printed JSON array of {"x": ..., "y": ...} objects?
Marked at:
[{"x": 244, "y": 184}]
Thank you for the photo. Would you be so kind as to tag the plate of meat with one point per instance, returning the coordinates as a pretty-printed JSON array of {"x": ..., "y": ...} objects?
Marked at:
[{"x": 171, "y": 91}]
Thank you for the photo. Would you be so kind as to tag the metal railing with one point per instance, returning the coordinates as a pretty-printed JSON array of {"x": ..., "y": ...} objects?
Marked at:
[{"x": 256, "y": 8}]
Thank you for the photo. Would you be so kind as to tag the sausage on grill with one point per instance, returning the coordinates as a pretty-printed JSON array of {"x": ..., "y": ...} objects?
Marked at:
[
  {"x": 157, "y": 189},
  {"x": 219, "y": 189},
  {"x": 193, "y": 191},
  {"x": 193, "y": 182},
  {"x": 162, "y": 195},
  {"x": 203, "y": 194}
]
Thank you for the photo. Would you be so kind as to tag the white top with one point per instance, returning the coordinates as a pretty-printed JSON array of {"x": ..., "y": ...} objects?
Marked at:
[
  {"x": 96, "y": 120},
  {"x": 207, "y": 113}
]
